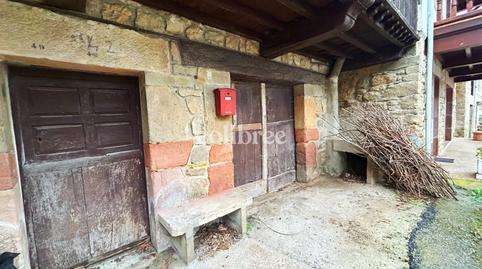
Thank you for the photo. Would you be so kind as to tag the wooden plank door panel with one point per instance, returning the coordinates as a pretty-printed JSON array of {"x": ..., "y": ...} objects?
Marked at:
[
  {"x": 435, "y": 115},
  {"x": 281, "y": 137},
  {"x": 81, "y": 164},
  {"x": 247, "y": 134},
  {"x": 56, "y": 209},
  {"x": 113, "y": 193},
  {"x": 448, "y": 113}
]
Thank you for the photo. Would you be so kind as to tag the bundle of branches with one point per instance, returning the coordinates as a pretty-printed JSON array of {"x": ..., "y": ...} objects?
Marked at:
[{"x": 385, "y": 140}]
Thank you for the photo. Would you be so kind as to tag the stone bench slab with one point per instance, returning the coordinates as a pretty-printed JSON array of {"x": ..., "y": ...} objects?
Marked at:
[{"x": 179, "y": 222}]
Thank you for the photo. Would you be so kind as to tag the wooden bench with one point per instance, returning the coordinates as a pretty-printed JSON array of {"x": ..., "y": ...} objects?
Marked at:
[
  {"x": 179, "y": 223},
  {"x": 374, "y": 173}
]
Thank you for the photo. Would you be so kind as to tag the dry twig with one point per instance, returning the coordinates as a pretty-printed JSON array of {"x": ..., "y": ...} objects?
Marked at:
[{"x": 384, "y": 139}]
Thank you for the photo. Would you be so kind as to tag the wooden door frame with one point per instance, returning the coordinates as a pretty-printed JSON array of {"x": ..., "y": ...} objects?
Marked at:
[
  {"x": 449, "y": 98},
  {"x": 435, "y": 115},
  {"x": 17, "y": 140}
]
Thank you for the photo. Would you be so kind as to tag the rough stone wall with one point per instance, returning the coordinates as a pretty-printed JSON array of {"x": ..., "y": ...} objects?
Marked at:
[
  {"x": 398, "y": 86},
  {"x": 134, "y": 14},
  {"x": 460, "y": 110}
]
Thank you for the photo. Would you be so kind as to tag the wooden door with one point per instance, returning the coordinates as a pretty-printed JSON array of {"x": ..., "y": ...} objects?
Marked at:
[
  {"x": 449, "y": 97},
  {"x": 435, "y": 115},
  {"x": 280, "y": 135},
  {"x": 247, "y": 146},
  {"x": 81, "y": 162}
]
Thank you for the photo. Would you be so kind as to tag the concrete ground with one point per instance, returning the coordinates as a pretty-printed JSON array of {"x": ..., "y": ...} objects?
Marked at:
[
  {"x": 328, "y": 224},
  {"x": 464, "y": 152},
  {"x": 332, "y": 223}
]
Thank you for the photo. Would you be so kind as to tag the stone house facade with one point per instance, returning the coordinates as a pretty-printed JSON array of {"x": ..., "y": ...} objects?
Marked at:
[{"x": 187, "y": 150}]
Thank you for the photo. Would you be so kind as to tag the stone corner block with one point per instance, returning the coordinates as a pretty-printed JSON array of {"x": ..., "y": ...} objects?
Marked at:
[
  {"x": 306, "y": 135},
  {"x": 212, "y": 76},
  {"x": 167, "y": 155},
  {"x": 221, "y": 177},
  {"x": 221, "y": 153},
  {"x": 8, "y": 171}
]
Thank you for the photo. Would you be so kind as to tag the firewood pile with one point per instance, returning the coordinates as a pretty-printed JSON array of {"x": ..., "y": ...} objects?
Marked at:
[{"x": 384, "y": 139}]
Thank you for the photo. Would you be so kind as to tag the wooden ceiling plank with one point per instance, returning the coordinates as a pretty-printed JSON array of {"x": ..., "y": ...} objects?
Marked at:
[
  {"x": 457, "y": 61},
  {"x": 356, "y": 42},
  {"x": 468, "y": 78},
  {"x": 335, "y": 18},
  {"x": 299, "y": 8},
  {"x": 464, "y": 71},
  {"x": 236, "y": 8},
  {"x": 332, "y": 50},
  {"x": 198, "y": 16}
]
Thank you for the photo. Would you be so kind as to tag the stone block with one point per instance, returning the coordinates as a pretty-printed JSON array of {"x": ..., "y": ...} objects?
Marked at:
[
  {"x": 214, "y": 38},
  {"x": 306, "y": 153},
  {"x": 306, "y": 135},
  {"x": 175, "y": 53},
  {"x": 162, "y": 104},
  {"x": 305, "y": 112},
  {"x": 184, "y": 70},
  {"x": 383, "y": 79},
  {"x": 252, "y": 47},
  {"x": 162, "y": 79},
  {"x": 221, "y": 153},
  {"x": 76, "y": 41},
  {"x": 118, "y": 12},
  {"x": 195, "y": 104},
  {"x": 8, "y": 171},
  {"x": 212, "y": 76},
  {"x": 169, "y": 188},
  {"x": 176, "y": 25},
  {"x": 199, "y": 155},
  {"x": 232, "y": 42},
  {"x": 159, "y": 179},
  {"x": 197, "y": 126},
  {"x": 195, "y": 32},
  {"x": 221, "y": 177},
  {"x": 402, "y": 89},
  {"x": 150, "y": 20},
  {"x": 167, "y": 155},
  {"x": 198, "y": 187},
  {"x": 189, "y": 92}
]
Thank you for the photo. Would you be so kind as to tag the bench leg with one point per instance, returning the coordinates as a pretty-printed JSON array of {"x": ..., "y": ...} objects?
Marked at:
[
  {"x": 237, "y": 220},
  {"x": 184, "y": 246}
]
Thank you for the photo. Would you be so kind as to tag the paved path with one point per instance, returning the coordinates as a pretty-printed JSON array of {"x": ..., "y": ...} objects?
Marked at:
[{"x": 464, "y": 152}]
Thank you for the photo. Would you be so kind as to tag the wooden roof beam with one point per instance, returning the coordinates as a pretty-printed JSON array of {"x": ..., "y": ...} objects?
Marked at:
[
  {"x": 198, "y": 16},
  {"x": 465, "y": 71},
  {"x": 333, "y": 19},
  {"x": 468, "y": 78},
  {"x": 299, "y": 8},
  {"x": 356, "y": 42},
  {"x": 332, "y": 50},
  {"x": 457, "y": 61},
  {"x": 241, "y": 10}
]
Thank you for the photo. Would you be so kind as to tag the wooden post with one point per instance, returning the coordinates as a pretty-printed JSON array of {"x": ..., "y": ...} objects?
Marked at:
[
  {"x": 439, "y": 10},
  {"x": 453, "y": 8},
  {"x": 469, "y": 5}
]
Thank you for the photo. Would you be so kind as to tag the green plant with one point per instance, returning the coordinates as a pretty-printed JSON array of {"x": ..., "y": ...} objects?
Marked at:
[
  {"x": 477, "y": 194},
  {"x": 479, "y": 153}
]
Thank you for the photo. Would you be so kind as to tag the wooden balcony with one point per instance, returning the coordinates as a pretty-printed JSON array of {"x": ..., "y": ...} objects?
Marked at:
[
  {"x": 364, "y": 31},
  {"x": 458, "y": 39}
]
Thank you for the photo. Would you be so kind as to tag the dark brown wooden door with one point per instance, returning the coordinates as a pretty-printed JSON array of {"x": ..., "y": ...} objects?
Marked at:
[
  {"x": 435, "y": 115},
  {"x": 449, "y": 97},
  {"x": 81, "y": 160},
  {"x": 280, "y": 135},
  {"x": 247, "y": 146}
]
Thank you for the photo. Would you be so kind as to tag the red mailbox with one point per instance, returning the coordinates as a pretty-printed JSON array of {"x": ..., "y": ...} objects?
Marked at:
[{"x": 225, "y": 102}]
